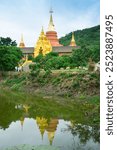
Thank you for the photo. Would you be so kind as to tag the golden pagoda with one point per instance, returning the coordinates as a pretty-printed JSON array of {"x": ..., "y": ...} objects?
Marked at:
[
  {"x": 43, "y": 45},
  {"x": 73, "y": 43},
  {"x": 42, "y": 124},
  {"x": 51, "y": 129},
  {"x": 22, "y": 45}
]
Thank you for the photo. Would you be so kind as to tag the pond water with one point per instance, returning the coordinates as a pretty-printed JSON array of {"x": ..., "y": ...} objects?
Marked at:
[{"x": 34, "y": 120}]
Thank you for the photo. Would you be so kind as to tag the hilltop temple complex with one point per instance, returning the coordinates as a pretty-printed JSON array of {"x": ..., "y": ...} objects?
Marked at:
[{"x": 48, "y": 42}]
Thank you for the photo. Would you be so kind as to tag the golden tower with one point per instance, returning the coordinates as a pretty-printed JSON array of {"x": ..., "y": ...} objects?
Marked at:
[
  {"x": 43, "y": 45},
  {"x": 73, "y": 43},
  {"x": 22, "y": 45}
]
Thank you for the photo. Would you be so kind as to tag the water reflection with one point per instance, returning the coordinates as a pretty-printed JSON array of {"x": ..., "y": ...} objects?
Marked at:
[
  {"x": 42, "y": 122},
  {"x": 49, "y": 126}
]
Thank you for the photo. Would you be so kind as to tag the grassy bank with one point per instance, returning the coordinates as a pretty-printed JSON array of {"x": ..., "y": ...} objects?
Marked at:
[{"x": 71, "y": 83}]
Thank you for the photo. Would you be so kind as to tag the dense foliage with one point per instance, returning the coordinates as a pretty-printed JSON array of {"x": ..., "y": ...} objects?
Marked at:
[
  {"x": 9, "y": 57},
  {"x": 7, "y": 42},
  {"x": 53, "y": 61}
]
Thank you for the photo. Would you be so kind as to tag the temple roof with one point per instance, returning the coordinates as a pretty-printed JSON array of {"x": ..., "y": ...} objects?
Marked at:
[
  {"x": 60, "y": 49},
  {"x": 67, "y": 49},
  {"x": 27, "y": 50}
]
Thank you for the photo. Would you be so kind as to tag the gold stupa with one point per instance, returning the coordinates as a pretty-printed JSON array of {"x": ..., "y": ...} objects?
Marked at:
[{"x": 43, "y": 45}]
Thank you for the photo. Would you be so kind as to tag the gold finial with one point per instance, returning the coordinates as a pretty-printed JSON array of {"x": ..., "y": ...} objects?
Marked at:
[
  {"x": 73, "y": 43},
  {"x": 22, "y": 45},
  {"x": 73, "y": 39},
  {"x": 42, "y": 30}
]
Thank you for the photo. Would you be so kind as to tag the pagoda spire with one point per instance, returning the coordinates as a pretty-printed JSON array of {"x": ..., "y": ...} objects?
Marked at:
[
  {"x": 73, "y": 43},
  {"x": 51, "y": 34},
  {"x": 22, "y": 45},
  {"x": 42, "y": 31},
  {"x": 51, "y": 24}
]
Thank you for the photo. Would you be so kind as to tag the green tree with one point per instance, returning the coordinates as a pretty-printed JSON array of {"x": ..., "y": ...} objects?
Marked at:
[
  {"x": 7, "y": 42},
  {"x": 81, "y": 56},
  {"x": 9, "y": 57}
]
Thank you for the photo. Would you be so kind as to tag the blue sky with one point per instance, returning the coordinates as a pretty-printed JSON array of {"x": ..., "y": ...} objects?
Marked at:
[{"x": 28, "y": 16}]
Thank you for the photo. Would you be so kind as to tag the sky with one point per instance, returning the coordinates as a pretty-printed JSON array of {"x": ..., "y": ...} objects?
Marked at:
[{"x": 28, "y": 16}]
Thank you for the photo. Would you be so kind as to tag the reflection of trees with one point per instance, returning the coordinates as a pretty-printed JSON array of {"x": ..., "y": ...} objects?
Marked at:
[
  {"x": 8, "y": 114},
  {"x": 85, "y": 132}
]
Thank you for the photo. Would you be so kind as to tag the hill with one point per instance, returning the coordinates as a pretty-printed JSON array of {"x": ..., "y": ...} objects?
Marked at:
[{"x": 89, "y": 36}]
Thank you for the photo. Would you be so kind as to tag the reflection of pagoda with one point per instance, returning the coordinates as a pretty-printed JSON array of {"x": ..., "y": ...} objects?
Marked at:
[
  {"x": 52, "y": 126},
  {"x": 42, "y": 124},
  {"x": 22, "y": 121},
  {"x": 25, "y": 114}
]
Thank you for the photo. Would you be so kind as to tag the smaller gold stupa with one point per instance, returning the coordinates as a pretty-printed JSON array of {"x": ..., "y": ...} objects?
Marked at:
[{"x": 43, "y": 45}]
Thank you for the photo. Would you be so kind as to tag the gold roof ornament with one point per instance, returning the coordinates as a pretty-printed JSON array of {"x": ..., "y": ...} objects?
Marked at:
[
  {"x": 22, "y": 45},
  {"x": 43, "y": 45},
  {"x": 73, "y": 42}
]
